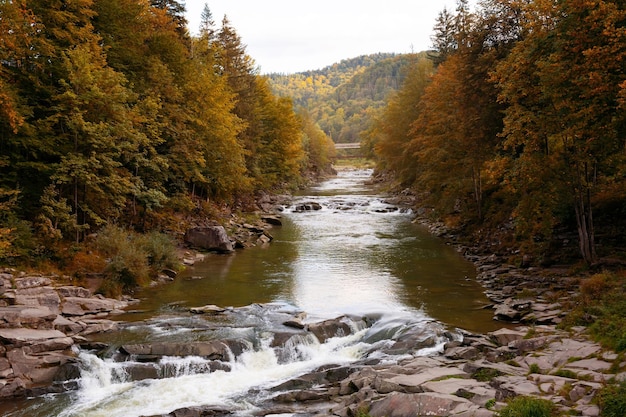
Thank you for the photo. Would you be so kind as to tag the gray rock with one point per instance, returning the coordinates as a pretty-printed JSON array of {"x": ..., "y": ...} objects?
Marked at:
[
  {"x": 31, "y": 282},
  {"x": 561, "y": 351},
  {"x": 78, "y": 306},
  {"x": 595, "y": 365},
  {"x": 72, "y": 291},
  {"x": 310, "y": 206},
  {"x": 477, "y": 392},
  {"x": 272, "y": 219},
  {"x": 505, "y": 336},
  {"x": 22, "y": 336},
  {"x": 208, "y": 309},
  {"x": 38, "y": 296},
  {"x": 513, "y": 386},
  {"x": 62, "y": 343},
  {"x": 424, "y": 404},
  {"x": 527, "y": 345},
  {"x": 215, "y": 350},
  {"x": 512, "y": 309},
  {"x": 67, "y": 326},
  {"x": 330, "y": 328},
  {"x": 413, "y": 382},
  {"x": 295, "y": 323},
  {"x": 93, "y": 326},
  {"x": 462, "y": 352},
  {"x": 212, "y": 238},
  {"x": 35, "y": 317}
]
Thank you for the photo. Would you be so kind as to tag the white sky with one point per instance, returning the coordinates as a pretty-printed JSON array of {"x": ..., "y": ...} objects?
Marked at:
[{"x": 290, "y": 36}]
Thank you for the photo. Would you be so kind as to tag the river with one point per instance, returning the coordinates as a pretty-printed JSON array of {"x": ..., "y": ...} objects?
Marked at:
[{"x": 357, "y": 257}]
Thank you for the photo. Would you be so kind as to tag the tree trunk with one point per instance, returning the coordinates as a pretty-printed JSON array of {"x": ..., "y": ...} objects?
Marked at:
[
  {"x": 478, "y": 192},
  {"x": 584, "y": 220}
]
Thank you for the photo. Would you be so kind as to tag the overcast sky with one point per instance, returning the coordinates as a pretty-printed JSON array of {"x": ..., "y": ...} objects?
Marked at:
[{"x": 290, "y": 36}]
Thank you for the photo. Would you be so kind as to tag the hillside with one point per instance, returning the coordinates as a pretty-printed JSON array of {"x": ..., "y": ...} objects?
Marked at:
[{"x": 342, "y": 97}]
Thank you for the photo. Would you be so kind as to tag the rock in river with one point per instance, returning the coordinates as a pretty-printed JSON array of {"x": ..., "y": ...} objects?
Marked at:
[{"x": 213, "y": 238}]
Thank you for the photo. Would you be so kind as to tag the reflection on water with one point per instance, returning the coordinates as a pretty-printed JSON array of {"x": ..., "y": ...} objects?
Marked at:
[{"x": 357, "y": 254}]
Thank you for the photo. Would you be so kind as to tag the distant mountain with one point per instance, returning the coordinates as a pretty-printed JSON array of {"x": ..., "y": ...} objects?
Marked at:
[{"x": 342, "y": 97}]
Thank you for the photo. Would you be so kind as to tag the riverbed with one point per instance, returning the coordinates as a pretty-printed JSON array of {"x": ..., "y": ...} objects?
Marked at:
[{"x": 347, "y": 254}]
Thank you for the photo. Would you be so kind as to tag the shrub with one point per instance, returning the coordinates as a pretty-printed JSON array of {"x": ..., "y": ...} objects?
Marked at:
[
  {"x": 534, "y": 369},
  {"x": 528, "y": 407},
  {"x": 612, "y": 400},
  {"x": 18, "y": 244},
  {"x": 133, "y": 259},
  {"x": 602, "y": 306},
  {"x": 161, "y": 250},
  {"x": 84, "y": 262}
]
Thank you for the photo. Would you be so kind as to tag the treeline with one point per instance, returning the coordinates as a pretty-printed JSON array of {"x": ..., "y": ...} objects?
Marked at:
[
  {"x": 342, "y": 97},
  {"x": 518, "y": 118},
  {"x": 111, "y": 113}
]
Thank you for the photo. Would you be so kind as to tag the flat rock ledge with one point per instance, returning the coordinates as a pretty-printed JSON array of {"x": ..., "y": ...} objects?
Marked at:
[
  {"x": 471, "y": 378},
  {"x": 41, "y": 328}
]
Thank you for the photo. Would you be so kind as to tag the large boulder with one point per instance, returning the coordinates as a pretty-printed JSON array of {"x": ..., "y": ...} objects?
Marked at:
[
  {"x": 214, "y": 350},
  {"x": 212, "y": 238},
  {"x": 79, "y": 306},
  {"x": 327, "y": 329},
  {"x": 38, "y": 296},
  {"x": 426, "y": 404},
  {"x": 309, "y": 206}
]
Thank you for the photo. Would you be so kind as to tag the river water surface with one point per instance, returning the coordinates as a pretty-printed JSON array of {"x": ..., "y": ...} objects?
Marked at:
[{"x": 357, "y": 256}]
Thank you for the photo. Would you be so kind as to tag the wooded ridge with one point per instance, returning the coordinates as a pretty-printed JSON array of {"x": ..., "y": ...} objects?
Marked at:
[{"x": 106, "y": 122}]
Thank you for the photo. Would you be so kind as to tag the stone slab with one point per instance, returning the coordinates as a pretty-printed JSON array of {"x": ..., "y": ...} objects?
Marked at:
[{"x": 23, "y": 335}]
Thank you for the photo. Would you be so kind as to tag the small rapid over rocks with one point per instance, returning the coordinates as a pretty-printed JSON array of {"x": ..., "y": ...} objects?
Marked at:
[{"x": 260, "y": 363}]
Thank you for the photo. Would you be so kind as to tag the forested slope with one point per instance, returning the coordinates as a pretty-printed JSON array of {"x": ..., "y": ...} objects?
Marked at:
[
  {"x": 516, "y": 128},
  {"x": 342, "y": 98},
  {"x": 103, "y": 122}
]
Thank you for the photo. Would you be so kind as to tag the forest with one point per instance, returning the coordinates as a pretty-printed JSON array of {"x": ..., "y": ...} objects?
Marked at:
[
  {"x": 343, "y": 98},
  {"x": 514, "y": 127},
  {"x": 105, "y": 122}
]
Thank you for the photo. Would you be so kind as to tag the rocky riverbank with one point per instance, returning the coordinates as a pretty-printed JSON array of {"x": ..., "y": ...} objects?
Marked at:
[
  {"x": 42, "y": 326},
  {"x": 519, "y": 294},
  {"x": 470, "y": 377},
  {"x": 473, "y": 377}
]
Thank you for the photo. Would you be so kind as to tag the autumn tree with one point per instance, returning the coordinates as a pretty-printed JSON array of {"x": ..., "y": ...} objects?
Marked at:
[
  {"x": 562, "y": 85},
  {"x": 319, "y": 147},
  {"x": 394, "y": 127},
  {"x": 447, "y": 130},
  {"x": 279, "y": 153}
]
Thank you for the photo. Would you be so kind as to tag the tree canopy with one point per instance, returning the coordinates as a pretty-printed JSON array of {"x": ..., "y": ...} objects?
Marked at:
[
  {"x": 520, "y": 122},
  {"x": 102, "y": 122}
]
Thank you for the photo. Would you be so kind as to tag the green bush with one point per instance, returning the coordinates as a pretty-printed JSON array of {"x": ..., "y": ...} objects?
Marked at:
[
  {"x": 528, "y": 407},
  {"x": 133, "y": 259},
  {"x": 612, "y": 400},
  {"x": 161, "y": 250},
  {"x": 18, "y": 244}
]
